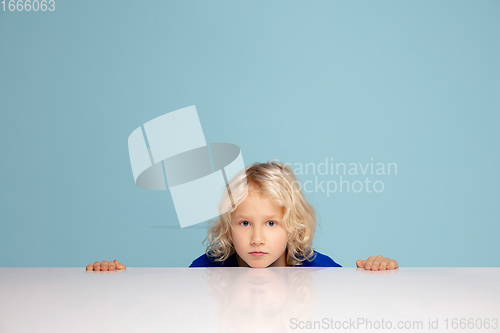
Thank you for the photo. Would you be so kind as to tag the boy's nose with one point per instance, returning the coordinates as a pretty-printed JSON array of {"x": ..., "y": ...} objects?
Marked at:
[{"x": 257, "y": 237}]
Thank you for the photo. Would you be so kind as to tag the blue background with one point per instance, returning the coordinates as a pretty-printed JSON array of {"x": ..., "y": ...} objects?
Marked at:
[{"x": 409, "y": 82}]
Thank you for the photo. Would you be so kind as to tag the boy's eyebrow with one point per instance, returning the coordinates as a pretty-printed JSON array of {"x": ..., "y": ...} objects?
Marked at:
[{"x": 247, "y": 218}]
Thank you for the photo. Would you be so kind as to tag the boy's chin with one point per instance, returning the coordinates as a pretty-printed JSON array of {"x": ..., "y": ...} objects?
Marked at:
[{"x": 258, "y": 265}]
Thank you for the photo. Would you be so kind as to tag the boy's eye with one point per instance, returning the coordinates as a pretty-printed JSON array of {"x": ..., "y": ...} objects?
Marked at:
[
  {"x": 271, "y": 223},
  {"x": 245, "y": 223}
]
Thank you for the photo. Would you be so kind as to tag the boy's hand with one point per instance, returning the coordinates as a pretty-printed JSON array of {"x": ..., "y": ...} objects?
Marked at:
[
  {"x": 377, "y": 263},
  {"x": 105, "y": 266}
]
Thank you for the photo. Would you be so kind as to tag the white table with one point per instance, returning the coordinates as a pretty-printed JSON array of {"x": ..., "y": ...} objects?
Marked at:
[{"x": 248, "y": 300}]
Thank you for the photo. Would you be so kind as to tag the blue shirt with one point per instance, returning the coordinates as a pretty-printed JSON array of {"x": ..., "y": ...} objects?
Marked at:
[{"x": 320, "y": 260}]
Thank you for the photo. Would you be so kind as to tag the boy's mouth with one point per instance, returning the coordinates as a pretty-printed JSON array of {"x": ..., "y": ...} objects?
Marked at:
[{"x": 257, "y": 254}]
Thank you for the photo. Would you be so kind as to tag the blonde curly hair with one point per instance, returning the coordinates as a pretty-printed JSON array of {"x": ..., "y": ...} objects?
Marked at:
[{"x": 277, "y": 182}]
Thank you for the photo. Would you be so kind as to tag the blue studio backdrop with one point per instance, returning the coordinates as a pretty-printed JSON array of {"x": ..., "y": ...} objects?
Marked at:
[{"x": 387, "y": 111}]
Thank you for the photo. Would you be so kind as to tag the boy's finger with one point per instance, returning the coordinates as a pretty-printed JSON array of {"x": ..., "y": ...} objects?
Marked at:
[
  {"x": 97, "y": 266},
  {"x": 383, "y": 264},
  {"x": 369, "y": 262},
  {"x": 111, "y": 266},
  {"x": 90, "y": 267},
  {"x": 376, "y": 263},
  {"x": 391, "y": 264},
  {"x": 119, "y": 266},
  {"x": 360, "y": 263},
  {"x": 104, "y": 265}
]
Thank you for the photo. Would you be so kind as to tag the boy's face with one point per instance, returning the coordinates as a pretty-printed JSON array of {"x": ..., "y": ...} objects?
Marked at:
[{"x": 258, "y": 235}]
